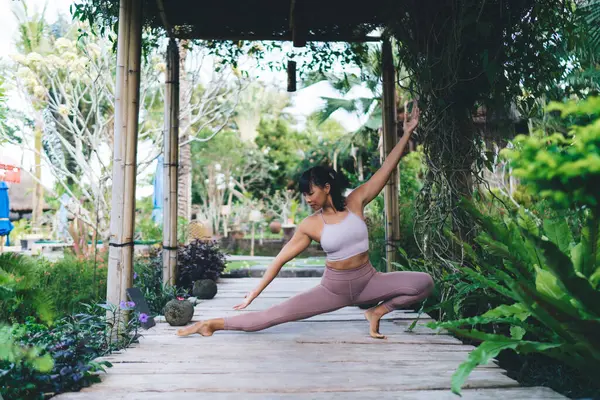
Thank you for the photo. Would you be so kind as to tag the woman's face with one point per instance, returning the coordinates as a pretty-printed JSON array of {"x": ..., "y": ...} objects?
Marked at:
[{"x": 317, "y": 197}]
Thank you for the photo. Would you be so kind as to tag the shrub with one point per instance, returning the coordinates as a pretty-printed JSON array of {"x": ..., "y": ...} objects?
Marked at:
[
  {"x": 20, "y": 292},
  {"x": 548, "y": 280},
  {"x": 199, "y": 260},
  {"x": 148, "y": 278},
  {"x": 64, "y": 354},
  {"x": 73, "y": 281},
  {"x": 551, "y": 304}
]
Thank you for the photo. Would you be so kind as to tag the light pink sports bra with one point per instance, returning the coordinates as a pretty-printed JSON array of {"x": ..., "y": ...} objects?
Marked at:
[{"x": 345, "y": 239}]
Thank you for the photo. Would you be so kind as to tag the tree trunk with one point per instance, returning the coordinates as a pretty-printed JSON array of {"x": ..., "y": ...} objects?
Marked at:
[
  {"x": 38, "y": 194},
  {"x": 184, "y": 199}
]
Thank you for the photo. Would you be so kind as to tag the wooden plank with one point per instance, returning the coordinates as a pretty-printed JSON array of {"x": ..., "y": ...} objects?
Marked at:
[
  {"x": 316, "y": 359},
  {"x": 192, "y": 368},
  {"x": 291, "y": 382},
  {"x": 533, "y": 393}
]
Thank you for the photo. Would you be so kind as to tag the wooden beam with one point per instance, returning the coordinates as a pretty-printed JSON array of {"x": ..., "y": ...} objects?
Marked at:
[
  {"x": 279, "y": 38},
  {"x": 390, "y": 193},
  {"x": 171, "y": 163},
  {"x": 120, "y": 272},
  {"x": 297, "y": 25}
]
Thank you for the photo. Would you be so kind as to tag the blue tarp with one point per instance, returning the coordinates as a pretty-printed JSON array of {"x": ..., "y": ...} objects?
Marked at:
[
  {"x": 157, "y": 197},
  {"x": 5, "y": 225}
]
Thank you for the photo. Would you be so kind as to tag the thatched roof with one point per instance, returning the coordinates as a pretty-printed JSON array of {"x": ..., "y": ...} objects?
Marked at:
[
  {"x": 317, "y": 20},
  {"x": 20, "y": 195}
]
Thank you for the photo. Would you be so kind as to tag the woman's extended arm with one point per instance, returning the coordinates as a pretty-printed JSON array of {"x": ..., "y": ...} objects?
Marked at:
[
  {"x": 299, "y": 242},
  {"x": 370, "y": 189}
]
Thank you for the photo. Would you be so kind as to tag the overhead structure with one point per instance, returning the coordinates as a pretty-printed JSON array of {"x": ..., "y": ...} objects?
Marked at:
[{"x": 299, "y": 21}]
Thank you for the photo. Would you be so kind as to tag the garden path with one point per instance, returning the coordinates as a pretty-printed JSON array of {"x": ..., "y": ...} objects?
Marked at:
[{"x": 329, "y": 356}]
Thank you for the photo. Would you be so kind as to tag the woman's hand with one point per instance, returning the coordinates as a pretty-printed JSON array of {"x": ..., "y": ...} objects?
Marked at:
[
  {"x": 248, "y": 299},
  {"x": 411, "y": 124}
]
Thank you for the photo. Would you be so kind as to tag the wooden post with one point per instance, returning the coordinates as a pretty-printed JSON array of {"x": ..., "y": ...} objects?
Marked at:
[
  {"x": 120, "y": 273},
  {"x": 390, "y": 193},
  {"x": 171, "y": 157},
  {"x": 252, "y": 239},
  {"x": 291, "y": 76}
]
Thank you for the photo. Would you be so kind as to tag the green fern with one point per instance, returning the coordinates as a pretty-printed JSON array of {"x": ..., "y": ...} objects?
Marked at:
[
  {"x": 20, "y": 293},
  {"x": 14, "y": 353}
]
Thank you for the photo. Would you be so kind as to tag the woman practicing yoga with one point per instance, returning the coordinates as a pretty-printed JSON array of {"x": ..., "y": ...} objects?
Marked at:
[{"x": 349, "y": 277}]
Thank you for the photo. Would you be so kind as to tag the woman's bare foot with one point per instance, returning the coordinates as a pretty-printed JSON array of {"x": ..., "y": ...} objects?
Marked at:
[
  {"x": 373, "y": 315},
  {"x": 203, "y": 328}
]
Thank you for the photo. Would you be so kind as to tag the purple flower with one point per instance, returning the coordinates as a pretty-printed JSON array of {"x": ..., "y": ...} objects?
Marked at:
[
  {"x": 130, "y": 304},
  {"x": 122, "y": 304},
  {"x": 143, "y": 318},
  {"x": 135, "y": 275}
]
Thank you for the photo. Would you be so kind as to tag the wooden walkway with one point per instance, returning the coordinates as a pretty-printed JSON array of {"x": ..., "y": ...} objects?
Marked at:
[{"x": 330, "y": 356}]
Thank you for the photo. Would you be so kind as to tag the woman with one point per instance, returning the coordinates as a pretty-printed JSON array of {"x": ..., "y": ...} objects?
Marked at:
[{"x": 349, "y": 278}]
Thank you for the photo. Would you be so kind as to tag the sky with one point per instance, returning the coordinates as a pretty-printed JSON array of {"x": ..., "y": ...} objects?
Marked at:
[{"x": 304, "y": 101}]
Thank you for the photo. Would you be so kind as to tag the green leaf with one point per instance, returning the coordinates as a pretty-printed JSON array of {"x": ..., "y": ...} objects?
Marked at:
[
  {"x": 525, "y": 221},
  {"x": 559, "y": 233},
  {"x": 589, "y": 250},
  {"x": 481, "y": 278},
  {"x": 490, "y": 349},
  {"x": 578, "y": 257},
  {"x": 578, "y": 287},
  {"x": 43, "y": 364},
  {"x": 595, "y": 279},
  {"x": 516, "y": 332},
  {"x": 547, "y": 285},
  {"x": 481, "y": 355},
  {"x": 517, "y": 310}
]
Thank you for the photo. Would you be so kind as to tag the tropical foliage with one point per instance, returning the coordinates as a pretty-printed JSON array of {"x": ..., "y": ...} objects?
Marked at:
[{"x": 545, "y": 281}]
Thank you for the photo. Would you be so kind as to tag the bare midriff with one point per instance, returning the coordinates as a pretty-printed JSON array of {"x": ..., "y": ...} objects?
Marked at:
[{"x": 349, "y": 263}]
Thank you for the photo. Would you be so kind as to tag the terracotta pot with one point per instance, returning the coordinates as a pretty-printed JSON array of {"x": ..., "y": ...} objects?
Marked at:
[
  {"x": 237, "y": 234},
  {"x": 288, "y": 232},
  {"x": 275, "y": 227}
]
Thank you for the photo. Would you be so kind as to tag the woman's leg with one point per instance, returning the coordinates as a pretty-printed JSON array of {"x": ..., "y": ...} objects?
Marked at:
[
  {"x": 395, "y": 289},
  {"x": 315, "y": 301}
]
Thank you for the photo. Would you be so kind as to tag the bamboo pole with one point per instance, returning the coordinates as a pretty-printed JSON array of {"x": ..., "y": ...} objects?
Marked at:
[
  {"x": 390, "y": 194},
  {"x": 120, "y": 272},
  {"x": 171, "y": 157}
]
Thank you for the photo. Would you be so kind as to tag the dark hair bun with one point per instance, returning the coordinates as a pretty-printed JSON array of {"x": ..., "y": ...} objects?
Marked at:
[{"x": 321, "y": 176}]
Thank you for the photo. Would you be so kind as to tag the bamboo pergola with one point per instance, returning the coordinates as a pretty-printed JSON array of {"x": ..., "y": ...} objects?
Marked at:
[{"x": 294, "y": 20}]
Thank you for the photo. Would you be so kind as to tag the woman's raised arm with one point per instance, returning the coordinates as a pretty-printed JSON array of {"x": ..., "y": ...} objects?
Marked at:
[{"x": 365, "y": 193}]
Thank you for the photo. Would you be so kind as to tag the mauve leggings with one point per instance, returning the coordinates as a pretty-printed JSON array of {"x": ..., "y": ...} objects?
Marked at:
[{"x": 338, "y": 289}]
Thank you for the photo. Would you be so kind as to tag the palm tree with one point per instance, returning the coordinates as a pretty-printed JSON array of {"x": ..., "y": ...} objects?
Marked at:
[
  {"x": 256, "y": 101},
  {"x": 366, "y": 108}
]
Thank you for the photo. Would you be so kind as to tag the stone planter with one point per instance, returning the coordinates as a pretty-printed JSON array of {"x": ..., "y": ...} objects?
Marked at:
[
  {"x": 178, "y": 312},
  {"x": 205, "y": 289}
]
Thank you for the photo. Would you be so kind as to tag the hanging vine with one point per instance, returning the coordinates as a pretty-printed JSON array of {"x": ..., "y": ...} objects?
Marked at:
[{"x": 464, "y": 56}]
